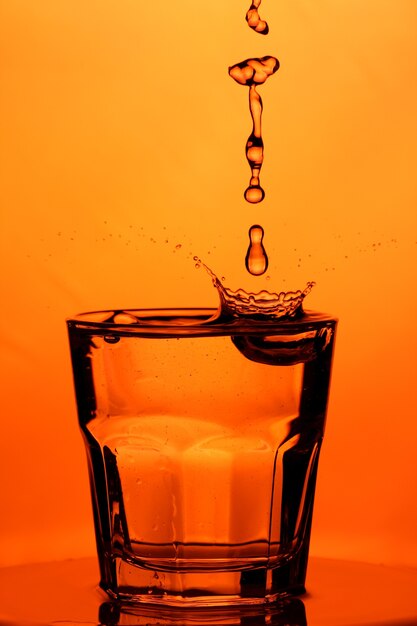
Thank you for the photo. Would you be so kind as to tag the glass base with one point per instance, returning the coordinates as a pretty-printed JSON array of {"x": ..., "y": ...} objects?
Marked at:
[{"x": 258, "y": 586}]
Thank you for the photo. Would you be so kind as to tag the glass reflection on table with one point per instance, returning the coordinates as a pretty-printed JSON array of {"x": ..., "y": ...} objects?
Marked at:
[
  {"x": 287, "y": 612},
  {"x": 340, "y": 593}
]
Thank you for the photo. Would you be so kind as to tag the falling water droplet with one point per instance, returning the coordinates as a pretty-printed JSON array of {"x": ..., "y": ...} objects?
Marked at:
[
  {"x": 256, "y": 260},
  {"x": 251, "y": 73},
  {"x": 253, "y": 19}
]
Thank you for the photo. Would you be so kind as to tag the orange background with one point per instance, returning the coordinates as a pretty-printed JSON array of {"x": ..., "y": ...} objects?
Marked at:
[{"x": 122, "y": 136}]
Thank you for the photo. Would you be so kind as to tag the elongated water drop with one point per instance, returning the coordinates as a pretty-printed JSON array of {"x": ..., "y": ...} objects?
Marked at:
[
  {"x": 256, "y": 260},
  {"x": 251, "y": 73}
]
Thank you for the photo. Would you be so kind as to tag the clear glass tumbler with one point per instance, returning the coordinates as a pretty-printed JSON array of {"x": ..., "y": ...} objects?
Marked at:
[{"x": 203, "y": 438}]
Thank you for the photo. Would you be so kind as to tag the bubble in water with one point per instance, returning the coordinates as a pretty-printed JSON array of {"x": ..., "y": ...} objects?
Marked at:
[
  {"x": 251, "y": 73},
  {"x": 256, "y": 260},
  {"x": 253, "y": 19}
]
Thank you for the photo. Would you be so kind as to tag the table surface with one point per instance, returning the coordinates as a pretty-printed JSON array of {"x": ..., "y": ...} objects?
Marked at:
[{"x": 340, "y": 593}]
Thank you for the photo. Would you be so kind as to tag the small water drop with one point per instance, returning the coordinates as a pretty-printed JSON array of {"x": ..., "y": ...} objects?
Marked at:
[
  {"x": 256, "y": 260},
  {"x": 254, "y": 194},
  {"x": 111, "y": 339},
  {"x": 125, "y": 318}
]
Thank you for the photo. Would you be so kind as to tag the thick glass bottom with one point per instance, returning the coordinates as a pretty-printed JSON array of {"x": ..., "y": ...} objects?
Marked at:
[{"x": 248, "y": 587}]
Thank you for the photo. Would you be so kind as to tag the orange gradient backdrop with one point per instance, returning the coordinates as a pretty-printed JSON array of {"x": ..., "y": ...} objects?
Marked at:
[{"x": 122, "y": 136}]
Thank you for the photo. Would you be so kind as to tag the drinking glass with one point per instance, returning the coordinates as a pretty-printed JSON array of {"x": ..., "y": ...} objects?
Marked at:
[{"x": 203, "y": 437}]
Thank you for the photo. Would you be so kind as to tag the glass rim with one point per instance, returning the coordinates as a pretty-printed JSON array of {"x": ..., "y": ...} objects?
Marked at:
[{"x": 191, "y": 321}]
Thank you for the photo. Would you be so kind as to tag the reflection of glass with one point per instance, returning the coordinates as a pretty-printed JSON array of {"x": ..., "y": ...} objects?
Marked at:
[
  {"x": 203, "y": 438},
  {"x": 288, "y": 612}
]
